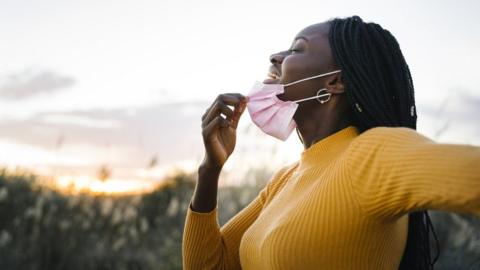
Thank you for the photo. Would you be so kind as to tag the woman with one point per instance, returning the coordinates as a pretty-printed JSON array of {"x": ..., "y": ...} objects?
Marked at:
[{"x": 357, "y": 197}]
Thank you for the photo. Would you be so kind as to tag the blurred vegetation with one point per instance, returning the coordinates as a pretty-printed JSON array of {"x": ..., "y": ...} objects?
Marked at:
[{"x": 43, "y": 229}]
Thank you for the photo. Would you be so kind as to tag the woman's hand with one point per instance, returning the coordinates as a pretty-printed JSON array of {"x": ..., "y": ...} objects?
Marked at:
[{"x": 219, "y": 133}]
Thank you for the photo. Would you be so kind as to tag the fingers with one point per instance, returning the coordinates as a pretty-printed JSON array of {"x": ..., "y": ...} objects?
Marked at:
[
  {"x": 231, "y": 99},
  {"x": 214, "y": 124},
  {"x": 215, "y": 110},
  {"x": 221, "y": 106}
]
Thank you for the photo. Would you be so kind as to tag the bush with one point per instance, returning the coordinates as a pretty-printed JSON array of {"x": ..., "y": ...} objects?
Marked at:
[{"x": 44, "y": 229}]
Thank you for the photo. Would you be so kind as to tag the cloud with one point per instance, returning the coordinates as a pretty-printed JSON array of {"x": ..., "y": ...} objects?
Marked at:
[
  {"x": 171, "y": 131},
  {"x": 128, "y": 138},
  {"x": 454, "y": 119},
  {"x": 462, "y": 106},
  {"x": 30, "y": 83}
]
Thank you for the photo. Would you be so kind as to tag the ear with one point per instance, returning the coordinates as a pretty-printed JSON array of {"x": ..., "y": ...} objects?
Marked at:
[{"x": 335, "y": 84}]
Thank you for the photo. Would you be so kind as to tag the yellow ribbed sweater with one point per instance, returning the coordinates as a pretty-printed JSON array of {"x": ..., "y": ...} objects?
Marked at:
[{"x": 343, "y": 205}]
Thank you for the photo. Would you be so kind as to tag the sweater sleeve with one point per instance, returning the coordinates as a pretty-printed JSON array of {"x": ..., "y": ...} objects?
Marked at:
[
  {"x": 207, "y": 246},
  {"x": 395, "y": 171}
]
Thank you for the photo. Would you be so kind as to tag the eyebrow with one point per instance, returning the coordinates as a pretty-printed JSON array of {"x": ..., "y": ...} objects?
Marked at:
[{"x": 301, "y": 37}]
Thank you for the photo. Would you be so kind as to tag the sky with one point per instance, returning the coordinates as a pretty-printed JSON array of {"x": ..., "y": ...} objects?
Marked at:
[{"x": 121, "y": 83}]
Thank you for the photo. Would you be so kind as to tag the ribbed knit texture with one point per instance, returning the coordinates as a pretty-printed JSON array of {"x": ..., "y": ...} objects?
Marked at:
[{"x": 344, "y": 205}]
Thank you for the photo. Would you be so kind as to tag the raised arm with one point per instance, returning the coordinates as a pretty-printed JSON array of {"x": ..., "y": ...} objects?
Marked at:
[
  {"x": 205, "y": 245},
  {"x": 395, "y": 171}
]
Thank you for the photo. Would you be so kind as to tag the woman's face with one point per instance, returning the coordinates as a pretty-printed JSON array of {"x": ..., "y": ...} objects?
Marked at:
[{"x": 308, "y": 55}]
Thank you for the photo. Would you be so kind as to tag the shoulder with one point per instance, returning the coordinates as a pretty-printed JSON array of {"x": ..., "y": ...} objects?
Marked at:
[
  {"x": 378, "y": 140},
  {"x": 284, "y": 172},
  {"x": 386, "y": 132},
  {"x": 280, "y": 177},
  {"x": 386, "y": 135}
]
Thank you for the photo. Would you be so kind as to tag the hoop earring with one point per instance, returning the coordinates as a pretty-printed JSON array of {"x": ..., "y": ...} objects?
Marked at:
[{"x": 328, "y": 95}]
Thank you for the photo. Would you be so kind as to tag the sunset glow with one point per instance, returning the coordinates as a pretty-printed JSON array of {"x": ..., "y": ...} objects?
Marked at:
[{"x": 76, "y": 184}]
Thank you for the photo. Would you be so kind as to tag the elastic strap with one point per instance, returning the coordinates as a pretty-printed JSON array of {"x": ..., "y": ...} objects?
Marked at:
[
  {"x": 317, "y": 96},
  {"x": 313, "y": 77}
]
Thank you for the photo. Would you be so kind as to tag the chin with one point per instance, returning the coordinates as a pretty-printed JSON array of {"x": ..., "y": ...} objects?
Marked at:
[{"x": 271, "y": 81}]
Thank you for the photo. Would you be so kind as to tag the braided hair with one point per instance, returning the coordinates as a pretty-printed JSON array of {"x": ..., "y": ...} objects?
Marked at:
[{"x": 379, "y": 89}]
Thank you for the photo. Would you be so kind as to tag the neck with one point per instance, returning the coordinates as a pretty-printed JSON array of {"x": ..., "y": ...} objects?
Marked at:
[{"x": 318, "y": 124}]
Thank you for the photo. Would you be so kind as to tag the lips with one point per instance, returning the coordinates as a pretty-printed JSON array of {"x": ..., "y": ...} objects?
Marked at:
[{"x": 273, "y": 76}]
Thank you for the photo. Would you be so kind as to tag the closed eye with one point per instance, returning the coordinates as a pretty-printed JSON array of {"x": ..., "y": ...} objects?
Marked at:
[
  {"x": 296, "y": 46},
  {"x": 292, "y": 51}
]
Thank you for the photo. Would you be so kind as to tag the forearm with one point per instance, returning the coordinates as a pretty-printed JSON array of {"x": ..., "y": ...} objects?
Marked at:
[
  {"x": 205, "y": 244},
  {"x": 205, "y": 196}
]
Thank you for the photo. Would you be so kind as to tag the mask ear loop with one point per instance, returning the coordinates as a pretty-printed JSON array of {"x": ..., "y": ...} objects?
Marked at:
[
  {"x": 328, "y": 95},
  {"x": 318, "y": 96},
  {"x": 313, "y": 77}
]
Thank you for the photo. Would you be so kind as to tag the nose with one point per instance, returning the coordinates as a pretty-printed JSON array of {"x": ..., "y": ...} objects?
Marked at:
[{"x": 276, "y": 58}]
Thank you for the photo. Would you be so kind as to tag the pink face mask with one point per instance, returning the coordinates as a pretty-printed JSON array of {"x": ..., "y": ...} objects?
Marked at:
[{"x": 272, "y": 115}]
